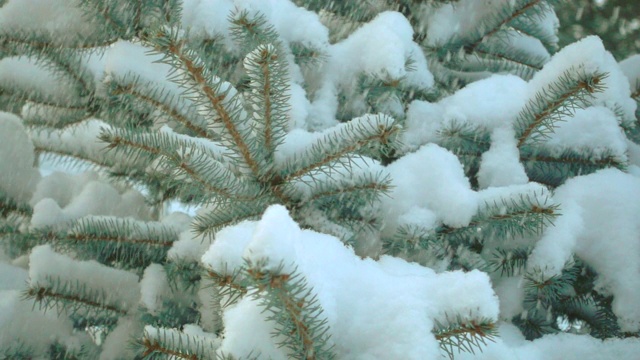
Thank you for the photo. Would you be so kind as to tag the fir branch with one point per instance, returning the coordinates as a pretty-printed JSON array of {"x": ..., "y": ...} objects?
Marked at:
[
  {"x": 71, "y": 155},
  {"x": 365, "y": 134},
  {"x": 535, "y": 323},
  {"x": 517, "y": 58},
  {"x": 553, "y": 169},
  {"x": 30, "y": 43},
  {"x": 9, "y": 205},
  {"x": 542, "y": 291},
  {"x": 122, "y": 242},
  {"x": 408, "y": 239},
  {"x": 75, "y": 298},
  {"x": 231, "y": 286},
  {"x": 307, "y": 56},
  {"x": 167, "y": 105},
  {"x": 464, "y": 335},
  {"x": 56, "y": 116},
  {"x": 266, "y": 67},
  {"x": 636, "y": 94},
  {"x": 510, "y": 262},
  {"x": 558, "y": 99},
  {"x": 517, "y": 11},
  {"x": 504, "y": 218},
  {"x": 184, "y": 159},
  {"x": 176, "y": 345},
  {"x": 249, "y": 32},
  {"x": 365, "y": 188},
  {"x": 295, "y": 310},
  {"x": 183, "y": 275},
  {"x": 227, "y": 213},
  {"x": 466, "y": 141},
  {"x": 220, "y": 97}
]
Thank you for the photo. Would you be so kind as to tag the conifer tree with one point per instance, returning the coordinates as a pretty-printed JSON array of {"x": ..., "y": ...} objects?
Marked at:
[{"x": 314, "y": 180}]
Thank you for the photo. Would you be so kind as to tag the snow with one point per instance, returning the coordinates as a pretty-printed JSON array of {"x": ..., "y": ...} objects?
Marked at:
[
  {"x": 154, "y": 287},
  {"x": 13, "y": 277},
  {"x": 384, "y": 308},
  {"x": 430, "y": 178},
  {"x": 47, "y": 16},
  {"x": 17, "y": 319},
  {"x": 512, "y": 345},
  {"x": 120, "y": 287},
  {"x": 380, "y": 49},
  {"x": 91, "y": 196},
  {"x": 600, "y": 223},
  {"x": 594, "y": 129},
  {"x": 27, "y": 76},
  {"x": 631, "y": 69},
  {"x": 589, "y": 56},
  {"x": 192, "y": 337},
  {"x": 390, "y": 290},
  {"x": 500, "y": 166},
  {"x": 487, "y": 104},
  {"x": 294, "y": 24},
  {"x": 18, "y": 177}
]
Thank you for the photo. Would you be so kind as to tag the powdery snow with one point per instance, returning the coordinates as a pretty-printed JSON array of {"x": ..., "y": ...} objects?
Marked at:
[
  {"x": 600, "y": 222},
  {"x": 18, "y": 177},
  {"x": 500, "y": 166},
  {"x": 487, "y": 104},
  {"x": 120, "y": 287},
  {"x": 93, "y": 197},
  {"x": 631, "y": 69},
  {"x": 431, "y": 178},
  {"x": 589, "y": 56},
  {"x": 374, "y": 309}
]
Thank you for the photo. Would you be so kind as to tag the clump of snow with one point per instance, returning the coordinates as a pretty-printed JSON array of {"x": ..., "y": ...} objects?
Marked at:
[
  {"x": 381, "y": 48},
  {"x": 600, "y": 223},
  {"x": 90, "y": 197},
  {"x": 487, "y": 104},
  {"x": 18, "y": 177},
  {"x": 154, "y": 287},
  {"x": 11, "y": 277},
  {"x": 563, "y": 346},
  {"x": 226, "y": 252},
  {"x": 594, "y": 129},
  {"x": 431, "y": 178},
  {"x": 589, "y": 56},
  {"x": 45, "y": 16},
  {"x": 500, "y": 166},
  {"x": 17, "y": 319},
  {"x": 391, "y": 304},
  {"x": 125, "y": 330},
  {"x": 465, "y": 19},
  {"x": 120, "y": 287},
  {"x": 23, "y": 74},
  {"x": 294, "y": 24},
  {"x": 631, "y": 69}
]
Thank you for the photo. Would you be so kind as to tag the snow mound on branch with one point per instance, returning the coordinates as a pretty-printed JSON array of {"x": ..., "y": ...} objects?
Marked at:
[
  {"x": 61, "y": 197},
  {"x": 600, "y": 223},
  {"x": 563, "y": 346},
  {"x": 590, "y": 56},
  {"x": 391, "y": 305},
  {"x": 18, "y": 177},
  {"x": 631, "y": 69},
  {"x": 432, "y": 178}
]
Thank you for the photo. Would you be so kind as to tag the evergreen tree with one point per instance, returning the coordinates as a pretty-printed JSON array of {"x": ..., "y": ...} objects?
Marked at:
[{"x": 314, "y": 179}]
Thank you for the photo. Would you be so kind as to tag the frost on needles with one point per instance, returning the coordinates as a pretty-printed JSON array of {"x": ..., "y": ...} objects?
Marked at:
[{"x": 239, "y": 179}]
